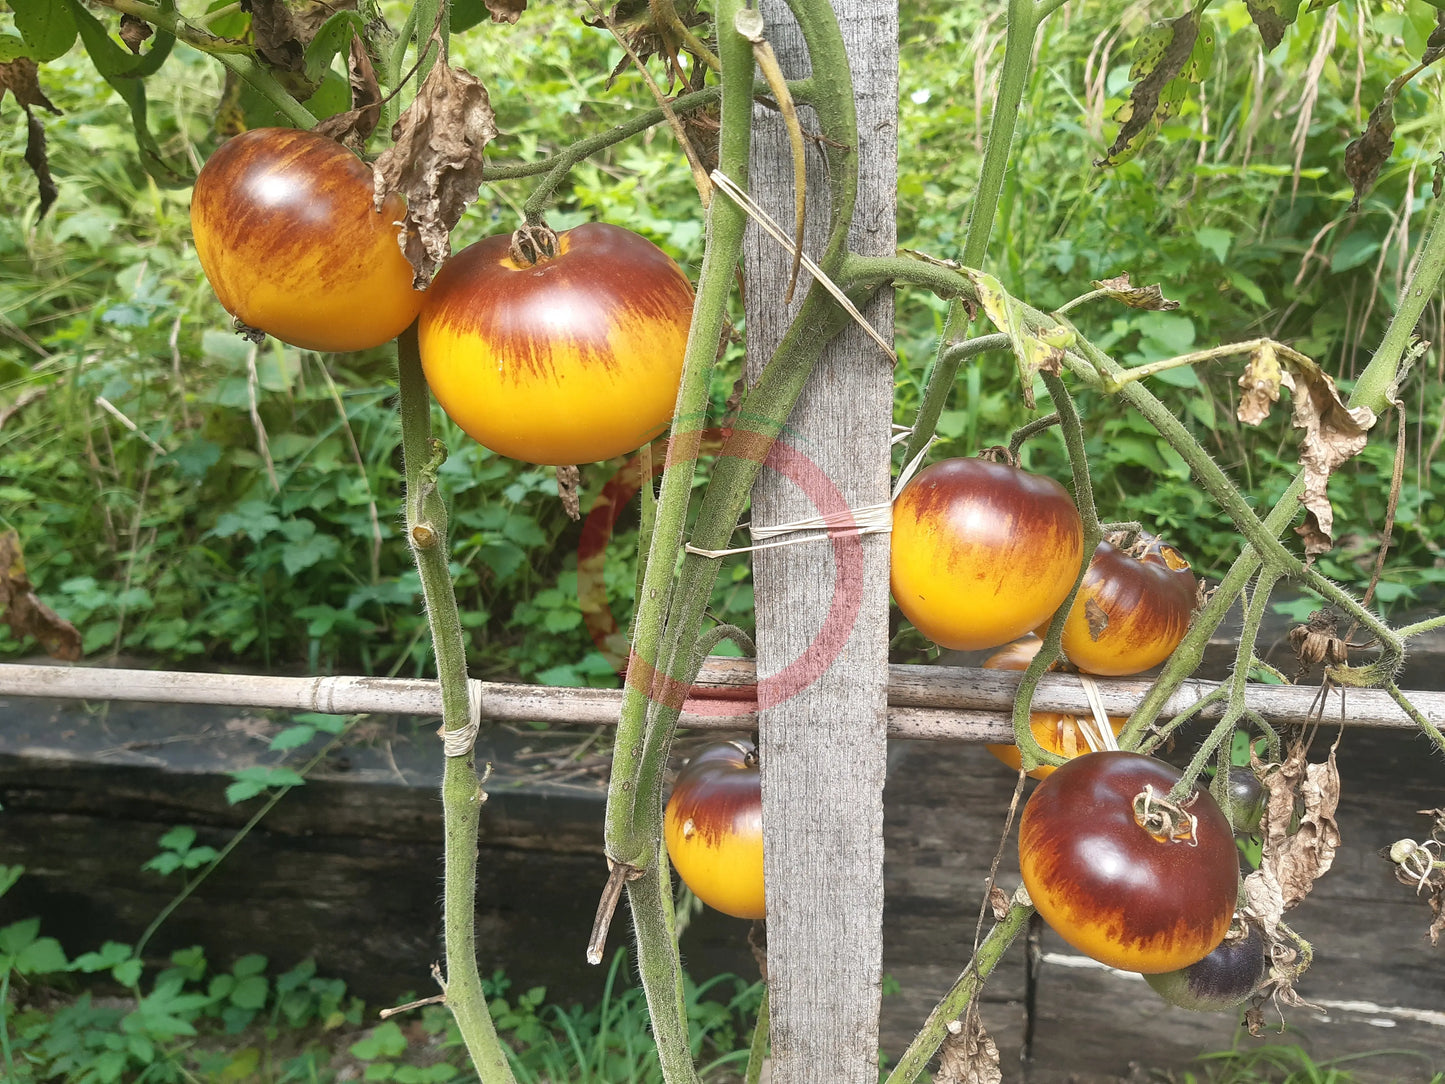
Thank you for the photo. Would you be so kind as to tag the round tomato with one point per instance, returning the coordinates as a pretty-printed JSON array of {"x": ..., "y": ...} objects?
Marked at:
[
  {"x": 1056, "y": 733},
  {"x": 714, "y": 828},
  {"x": 1122, "y": 874},
  {"x": 982, "y": 552},
  {"x": 1130, "y": 613},
  {"x": 571, "y": 359},
  {"x": 1223, "y": 979},
  {"x": 288, "y": 238}
]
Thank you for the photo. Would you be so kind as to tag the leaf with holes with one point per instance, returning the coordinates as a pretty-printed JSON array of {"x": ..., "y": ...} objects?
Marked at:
[
  {"x": 1150, "y": 298},
  {"x": 1170, "y": 58}
]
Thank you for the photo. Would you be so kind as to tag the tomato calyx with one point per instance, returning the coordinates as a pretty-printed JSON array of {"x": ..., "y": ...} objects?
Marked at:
[
  {"x": 253, "y": 335},
  {"x": 999, "y": 453},
  {"x": 1166, "y": 820},
  {"x": 532, "y": 243}
]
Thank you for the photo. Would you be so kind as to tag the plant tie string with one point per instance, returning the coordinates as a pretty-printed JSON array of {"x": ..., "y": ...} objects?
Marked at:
[
  {"x": 870, "y": 519},
  {"x": 459, "y": 742}
]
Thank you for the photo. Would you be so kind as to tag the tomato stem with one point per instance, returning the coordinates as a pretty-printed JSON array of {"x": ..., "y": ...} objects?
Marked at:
[{"x": 462, "y": 794}]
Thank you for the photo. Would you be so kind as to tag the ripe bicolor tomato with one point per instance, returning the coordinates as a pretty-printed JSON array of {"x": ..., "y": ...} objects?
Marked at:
[
  {"x": 1120, "y": 873},
  {"x": 571, "y": 359},
  {"x": 714, "y": 828},
  {"x": 1130, "y": 612},
  {"x": 1053, "y": 731},
  {"x": 1223, "y": 979},
  {"x": 287, "y": 235},
  {"x": 982, "y": 552}
]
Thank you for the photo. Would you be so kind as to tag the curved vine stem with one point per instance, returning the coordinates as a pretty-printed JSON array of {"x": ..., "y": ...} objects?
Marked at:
[{"x": 1024, "y": 18}]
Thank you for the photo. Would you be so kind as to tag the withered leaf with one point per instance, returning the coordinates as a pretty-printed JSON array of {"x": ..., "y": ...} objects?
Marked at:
[
  {"x": 436, "y": 162},
  {"x": 998, "y": 902},
  {"x": 1035, "y": 349},
  {"x": 355, "y": 125},
  {"x": 506, "y": 11},
  {"x": 1333, "y": 432},
  {"x": 1295, "y": 860},
  {"x": 134, "y": 32},
  {"x": 568, "y": 479},
  {"x": 1437, "y": 184},
  {"x": 282, "y": 29},
  {"x": 22, "y": 609},
  {"x": 1272, "y": 18},
  {"x": 633, "y": 23},
  {"x": 968, "y": 1055},
  {"x": 1122, "y": 290},
  {"x": 1365, "y": 155},
  {"x": 1169, "y": 57},
  {"x": 21, "y": 77}
]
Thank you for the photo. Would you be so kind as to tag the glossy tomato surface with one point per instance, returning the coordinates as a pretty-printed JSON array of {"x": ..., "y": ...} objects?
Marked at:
[
  {"x": 572, "y": 359},
  {"x": 1222, "y": 980},
  {"x": 1130, "y": 613},
  {"x": 982, "y": 552},
  {"x": 1111, "y": 887},
  {"x": 714, "y": 828},
  {"x": 288, "y": 238},
  {"x": 1053, "y": 731}
]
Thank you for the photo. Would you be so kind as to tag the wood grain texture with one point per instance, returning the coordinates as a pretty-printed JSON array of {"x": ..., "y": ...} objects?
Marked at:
[{"x": 821, "y": 607}]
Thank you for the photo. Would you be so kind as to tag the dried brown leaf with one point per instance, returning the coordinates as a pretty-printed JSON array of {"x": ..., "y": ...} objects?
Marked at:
[
  {"x": 1097, "y": 617},
  {"x": 1333, "y": 432},
  {"x": 1260, "y": 381},
  {"x": 1365, "y": 155},
  {"x": 1297, "y": 859},
  {"x": 22, "y": 609},
  {"x": 355, "y": 125},
  {"x": 134, "y": 32},
  {"x": 436, "y": 162},
  {"x": 968, "y": 1055},
  {"x": 998, "y": 902},
  {"x": 21, "y": 78},
  {"x": 506, "y": 11},
  {"x": 568, "y": 479},
  {"x": 282, "y": 29},
  {"x": 1150, "y": 298}
]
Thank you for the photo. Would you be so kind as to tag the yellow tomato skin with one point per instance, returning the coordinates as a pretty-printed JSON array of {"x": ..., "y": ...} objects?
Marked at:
[
  {"x": 714, "y": 829},
  {"x": 1055, "y": 732},
  {"x": 1142, "y": 609},
  {"x": 288, "y": 238},
  {"x": 982, "y": 552},
  {"x": 571, "y": 360}
]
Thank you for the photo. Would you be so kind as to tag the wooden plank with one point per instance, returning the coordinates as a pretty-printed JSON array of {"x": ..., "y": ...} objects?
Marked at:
[
  {"x": 930, "y": 703},
  {"x": 823, "y": 745}
]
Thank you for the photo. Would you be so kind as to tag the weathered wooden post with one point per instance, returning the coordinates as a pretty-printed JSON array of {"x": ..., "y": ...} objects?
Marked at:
[{"x": 822, "y": 628}]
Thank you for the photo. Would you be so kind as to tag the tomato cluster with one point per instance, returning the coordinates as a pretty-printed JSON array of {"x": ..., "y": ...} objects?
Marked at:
[
  {"x": 983, "y": 552},
  {"x": 571, "y": 355}
]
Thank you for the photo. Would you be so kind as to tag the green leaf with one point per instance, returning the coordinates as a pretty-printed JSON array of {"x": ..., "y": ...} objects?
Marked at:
[
  {"x": 8, "y": 876},
  {"x": 293, "y": 737},
  {"x": 17, "y": 935},
  {"x": 126, "y": 73},
  {"x": 43, "y": 956},
  {"x": 47, "y": 27},
  {"x": 178, "y": 838},
  {"x": 11, "y": 47},
  {"x": 127, "y": 972},
  {"x": 334, "y": 36},
  {"x": 250, "y": 992},
  {"x": 385, "y": 1041},
  {"x": 1215, "y": 240}
]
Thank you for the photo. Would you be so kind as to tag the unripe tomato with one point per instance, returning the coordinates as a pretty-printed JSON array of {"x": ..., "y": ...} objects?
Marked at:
[
  {"x": 287, "y": 236},
  {"x": 1055, "y": 732},
  {"x": 1223, "y": 979},
  {"x": 714, "y": 828},
  {"x": 982, "y": 552},
  {"x": 1120, "y": 875},
  {"x": 1130, "y": 613},
  {"x": 569, "y": 360}
]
